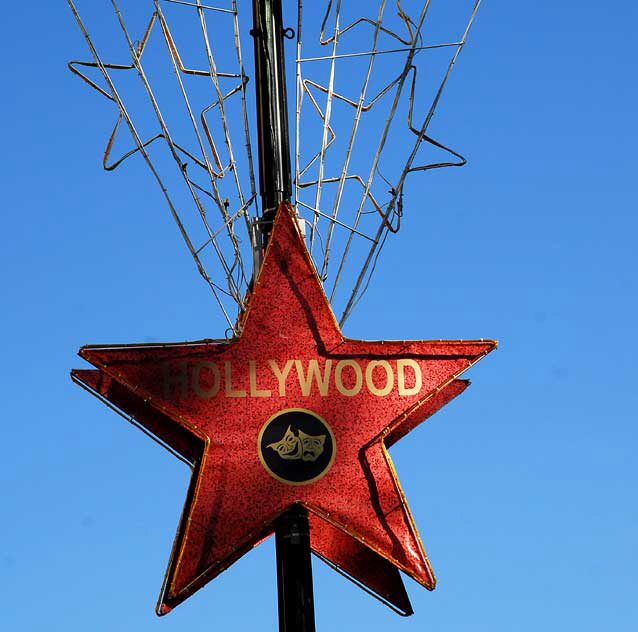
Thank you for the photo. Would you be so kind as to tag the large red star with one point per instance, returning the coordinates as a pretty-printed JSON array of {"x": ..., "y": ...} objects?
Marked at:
[{"x": 288, "y": 412}]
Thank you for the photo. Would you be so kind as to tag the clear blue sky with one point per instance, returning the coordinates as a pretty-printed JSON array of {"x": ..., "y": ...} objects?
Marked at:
[{"x": 523, "y": 488}]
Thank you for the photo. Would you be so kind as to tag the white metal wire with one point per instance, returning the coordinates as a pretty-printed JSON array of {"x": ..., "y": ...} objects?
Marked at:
[
  {"x": 373, "y": 94},
  {"x": 359, "y": 159},
  {"x": 200, "y": 168}
]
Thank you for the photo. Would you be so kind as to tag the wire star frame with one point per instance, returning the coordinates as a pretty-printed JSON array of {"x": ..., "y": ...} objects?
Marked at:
[{"x": 368, "y": 79}]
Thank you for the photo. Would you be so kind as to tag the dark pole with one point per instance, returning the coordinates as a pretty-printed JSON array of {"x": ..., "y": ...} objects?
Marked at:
[
  {"x": 272, "y": 110},
  {"x": 294, "y": 572},
  {"x": 292, "y": 532}
]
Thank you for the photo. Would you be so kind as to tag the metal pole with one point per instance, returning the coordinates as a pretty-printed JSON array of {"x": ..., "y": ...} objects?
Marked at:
[
  {"x": 294, "y": 572},
  {"x": 292, "y": 531},
  {"x": 275, "y": 184}
]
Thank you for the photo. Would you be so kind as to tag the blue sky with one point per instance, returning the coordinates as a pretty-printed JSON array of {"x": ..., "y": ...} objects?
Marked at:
[{"x": 523, "y": 488}]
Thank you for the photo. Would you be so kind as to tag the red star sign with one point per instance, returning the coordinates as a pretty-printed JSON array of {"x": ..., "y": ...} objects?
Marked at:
[{"x": 288, "y": 412}]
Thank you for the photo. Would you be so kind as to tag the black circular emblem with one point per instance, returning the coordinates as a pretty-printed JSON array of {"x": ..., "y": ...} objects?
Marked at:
[{"x": 296, "y": 446}]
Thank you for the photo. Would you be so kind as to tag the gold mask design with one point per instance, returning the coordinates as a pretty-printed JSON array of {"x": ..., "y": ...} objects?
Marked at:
[{"x": 304, "y": 446}]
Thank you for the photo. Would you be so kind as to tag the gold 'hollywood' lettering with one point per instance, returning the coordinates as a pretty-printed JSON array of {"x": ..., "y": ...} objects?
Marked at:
[
  {"x": 213, "y": 389},
  {"x": 358, "y": 377},
  {"x": 281, "y": 374},
  {"x": 228, "y": 385},
  {"x": 349, "y": 378},
  {"x": 305, "y": 381},
  {"x": 254, "y": 391},
  {"x": 175, "y": 377},
  {"x": 418, "y": 378},
  {"x": 389, "y": 378}
]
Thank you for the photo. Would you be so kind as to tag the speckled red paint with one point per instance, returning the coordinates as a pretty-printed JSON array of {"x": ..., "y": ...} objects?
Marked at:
[{"x": 208, "y": 400}]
